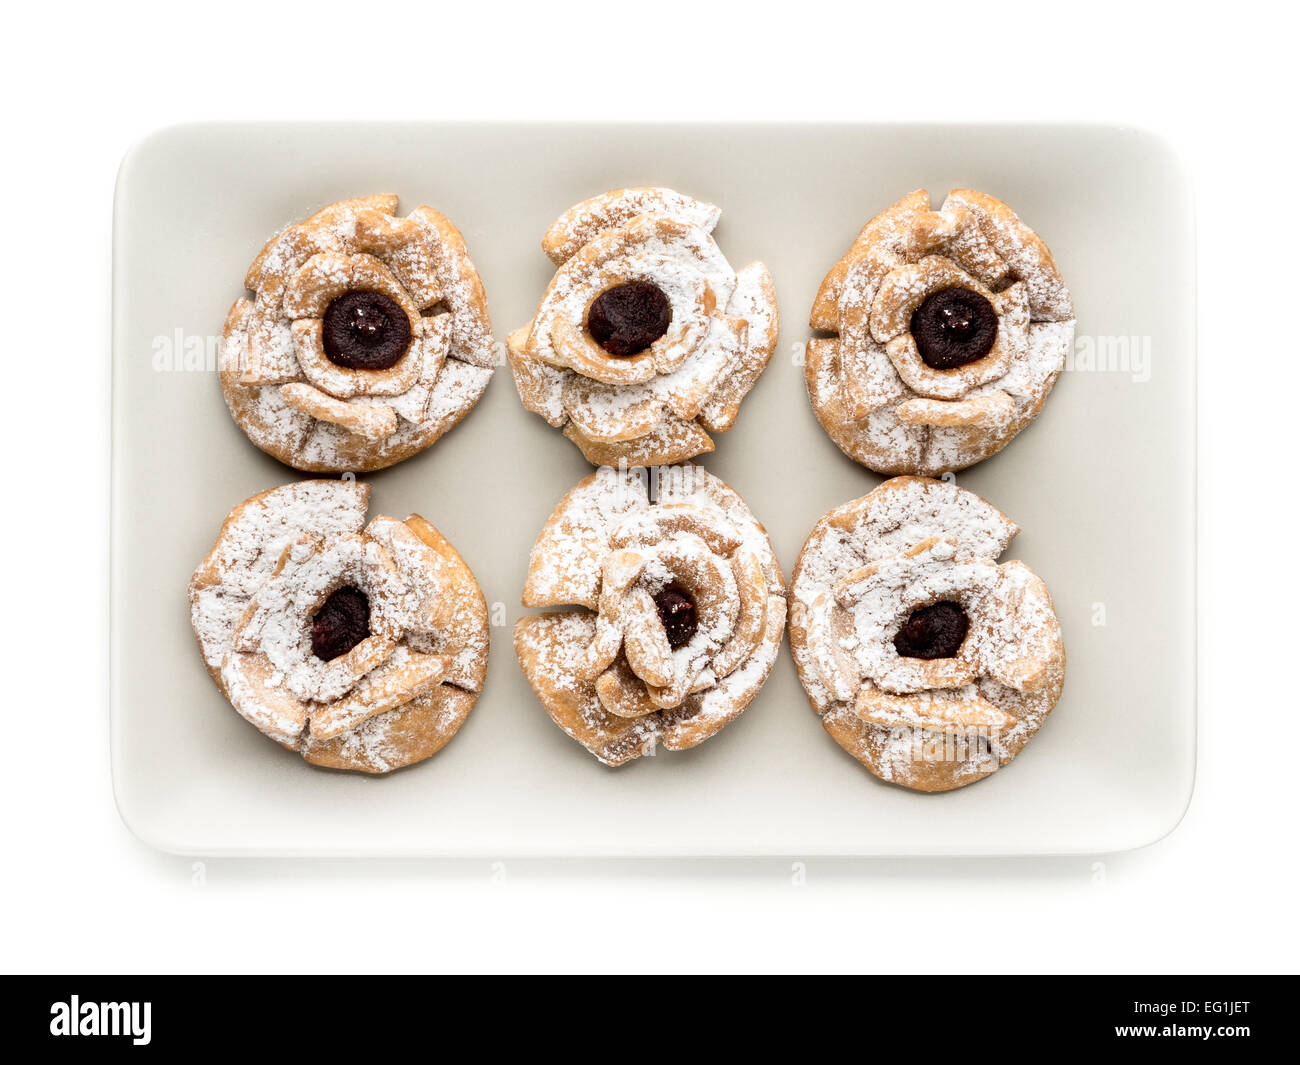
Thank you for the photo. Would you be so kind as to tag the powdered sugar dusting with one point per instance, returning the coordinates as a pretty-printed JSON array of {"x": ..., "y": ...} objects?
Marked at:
[
  {"x": 279, "y": 556},
  {"x": 421, "y": 262},
  {"x": 250, "y": 547},
  {"x": 866, "y": 566},
  {"x": 671, "y": 526},
  {"x": 858, "y": 380},
  {"x": 720, "y": 335}
]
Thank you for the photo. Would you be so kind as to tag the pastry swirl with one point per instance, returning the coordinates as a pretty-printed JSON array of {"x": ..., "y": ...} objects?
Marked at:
[
  {"x": 359, "y": 645},
  {"x": 949, "y": 326},
  {"x": 677, "y": 612},
  {"x": 366, "y": 337},
  {"x": 928, "y": 662},
  {"x": 684, "y": 338}
]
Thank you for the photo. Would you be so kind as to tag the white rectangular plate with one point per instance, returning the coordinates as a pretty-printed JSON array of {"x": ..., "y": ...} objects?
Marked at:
[{"x": 1102, "y": 486}]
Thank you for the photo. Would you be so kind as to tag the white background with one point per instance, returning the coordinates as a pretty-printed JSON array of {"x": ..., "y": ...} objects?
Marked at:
[{"x": 80, "y": 893}]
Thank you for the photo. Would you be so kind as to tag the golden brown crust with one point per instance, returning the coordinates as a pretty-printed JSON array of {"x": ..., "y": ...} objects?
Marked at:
[
  {"x": 544, "y": 638},
  {"x": 871, "y": 391},
  {"x": 584, "y": 221},
  {"x": 293, "y": 402},
  {"x": 607, "y": 674},
  {"x": 671, "y": 441},
  {"x": 395, "y": 698},
  {"x": 652, "y": 407},
  {"x": 928, "y": 725},
  {"x": 407, "y": 735},
  {"x": 468, "y": 626}
]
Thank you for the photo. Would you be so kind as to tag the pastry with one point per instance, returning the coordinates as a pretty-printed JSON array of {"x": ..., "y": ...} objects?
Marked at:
[
  {"x": 949, "y": 329},
  {"x": 646, "y": 340},
  {"x": 676, "y": 610},
  {"x": 928, "y": 662},
  {"x": 359, "y": 645},
  {"x": 366, "y": 338}
]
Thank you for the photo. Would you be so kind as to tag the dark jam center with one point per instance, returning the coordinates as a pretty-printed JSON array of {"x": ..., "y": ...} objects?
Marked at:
[
  {"x": 629, "y": 318},
  {"x": 677, "y": 612},
  {"x": 341, "y": 623},
  {"x": 365, "y": 331},
  {"x": 952, "y": 327},
  {"x": 934, "y": 631}
]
